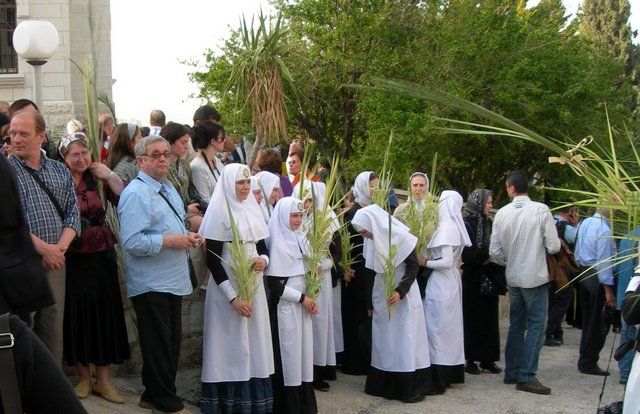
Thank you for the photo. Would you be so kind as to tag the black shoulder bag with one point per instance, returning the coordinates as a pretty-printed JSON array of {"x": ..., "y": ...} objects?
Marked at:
[
  {"x": 192, "y": 270},
  {"x": 47, "y": 192},
  {"x": 8, "y": 380}
]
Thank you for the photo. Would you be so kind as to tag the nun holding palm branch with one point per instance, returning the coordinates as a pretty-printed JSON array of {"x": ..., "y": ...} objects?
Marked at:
[
  {"x": 400, "y": 366},
  {"x": 291, "y": 311},
  {"x": 237, "y": 350},
  {"x": 443, "y": 301}
]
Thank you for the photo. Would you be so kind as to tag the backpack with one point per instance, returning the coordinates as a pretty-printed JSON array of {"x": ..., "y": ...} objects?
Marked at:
[{"x": 562, "y": 265}]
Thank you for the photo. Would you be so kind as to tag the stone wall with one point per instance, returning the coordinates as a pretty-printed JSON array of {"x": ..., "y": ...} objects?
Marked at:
[{"x": 62, "y": 93}]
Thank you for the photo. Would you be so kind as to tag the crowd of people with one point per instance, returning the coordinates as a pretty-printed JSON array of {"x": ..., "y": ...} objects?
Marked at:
[{"x": 194, "y": 215}]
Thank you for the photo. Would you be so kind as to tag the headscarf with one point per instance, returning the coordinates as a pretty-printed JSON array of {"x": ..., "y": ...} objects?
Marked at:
[
  {"x": 284, "y": 244},
  {"x": 475, "y": 209},
  {"x": 319, "y": 195},
  {"x": 360, "y": 190},
  {"x": 451, "y": 230},
  {"x": 375, "y": 220},
  {"x": 268, "y": 182},
  {"x": 216, "y": 224}
]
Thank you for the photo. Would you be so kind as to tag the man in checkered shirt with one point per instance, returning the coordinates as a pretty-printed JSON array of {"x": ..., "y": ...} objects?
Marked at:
[{"x": 52, "y": 229}]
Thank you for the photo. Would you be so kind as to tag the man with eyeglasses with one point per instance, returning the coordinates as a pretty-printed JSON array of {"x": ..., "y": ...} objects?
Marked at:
[
  {"x": 155, "y": 242},
  {"x": 51, "y": 213}
]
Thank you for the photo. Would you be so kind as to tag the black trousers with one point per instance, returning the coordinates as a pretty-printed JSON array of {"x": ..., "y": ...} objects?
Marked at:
[
  {"x": 593, "y": 337},
  {"x": 559, "y": 303},
  {"x": 160, "y": 331}
]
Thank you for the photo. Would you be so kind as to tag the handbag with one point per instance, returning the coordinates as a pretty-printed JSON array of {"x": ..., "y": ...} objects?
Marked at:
[
  {"x": 487, "y": 287},
  {"x": 9, "y": 389}
]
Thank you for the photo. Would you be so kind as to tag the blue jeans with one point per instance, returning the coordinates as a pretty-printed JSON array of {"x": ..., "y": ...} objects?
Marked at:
[
  {"x": 626, "y": 332},
  {"x": 528, "y": 312}
]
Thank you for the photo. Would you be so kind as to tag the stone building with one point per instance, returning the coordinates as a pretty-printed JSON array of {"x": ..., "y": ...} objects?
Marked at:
[{"x": 62, "y": 92}]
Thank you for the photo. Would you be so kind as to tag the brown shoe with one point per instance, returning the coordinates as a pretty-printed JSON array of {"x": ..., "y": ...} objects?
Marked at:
[
  {"x": 108, "y": 392},
  {"x": 83, "y": 388},
  {"x": 533, "y": 387}
]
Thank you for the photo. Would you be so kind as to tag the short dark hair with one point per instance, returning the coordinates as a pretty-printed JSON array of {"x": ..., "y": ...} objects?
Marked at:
[
  {"x": 568, "y": 205},
  {"x": 145, "y": 131},
  {"x": 173, "y": 131},
  {"x": 19, "y": 105},
  {"x": 269, "y": 160},
  {"x": 206, "y": 113},
  {"x": 202, "y": 134},
  {"x": 518, "y": 179},
  {"x": 372, "y": 176}
]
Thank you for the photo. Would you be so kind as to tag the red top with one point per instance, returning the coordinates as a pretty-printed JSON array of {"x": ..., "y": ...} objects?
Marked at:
[
  {"x": 97, "y": 237},
  {"x": 296, "y": 179}
]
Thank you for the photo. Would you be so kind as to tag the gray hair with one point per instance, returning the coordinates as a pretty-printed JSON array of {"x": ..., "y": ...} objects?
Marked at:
[{"x": 141, "y": 146}]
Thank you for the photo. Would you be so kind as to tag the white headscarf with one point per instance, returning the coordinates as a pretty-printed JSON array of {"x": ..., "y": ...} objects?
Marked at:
[
  {"x": 360, "y": 190},
  {"x": 375, "y": 220},
  {"x": 451, "y": 230},
  {"x": 216, "y": 224},
  {"x": 320, "y": 195},
  {"x": 285, "y": 254},
  {"x": 268, "y": 182}
]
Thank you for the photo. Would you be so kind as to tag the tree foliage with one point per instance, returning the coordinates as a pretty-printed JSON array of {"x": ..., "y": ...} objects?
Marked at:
[{"x": 530, "y": 65}]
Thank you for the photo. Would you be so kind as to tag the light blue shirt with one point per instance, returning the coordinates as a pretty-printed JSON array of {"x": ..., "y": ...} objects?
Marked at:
[
  {"x": 144, "y": 219},
  {"x": 570, "y": 231},
  {"x": 595, "y": 245},
  {"x": 628, "y": 250}
]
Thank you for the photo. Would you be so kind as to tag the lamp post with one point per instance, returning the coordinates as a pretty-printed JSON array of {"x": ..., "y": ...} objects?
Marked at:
[{"x": 36, "y": 41}]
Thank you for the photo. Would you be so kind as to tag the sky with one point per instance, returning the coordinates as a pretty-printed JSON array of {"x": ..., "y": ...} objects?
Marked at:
[{"x": 150, "y": 40}]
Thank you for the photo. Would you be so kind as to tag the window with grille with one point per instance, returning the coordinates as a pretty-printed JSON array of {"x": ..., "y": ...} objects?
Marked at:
[{"x": 8, "y": 57}]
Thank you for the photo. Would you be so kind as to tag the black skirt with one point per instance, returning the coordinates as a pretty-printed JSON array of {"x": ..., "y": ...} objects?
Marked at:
[
  {"x": 400, "y": 385},
  {"x": 94, "y": 325},
  {"x": 480, "y": 316},
  {"x": 445, "y": 375}
]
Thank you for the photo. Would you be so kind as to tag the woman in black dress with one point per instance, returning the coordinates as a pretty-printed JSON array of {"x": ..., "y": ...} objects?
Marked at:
[
  {"x": 480, "y": 311},
  {"x": 356, "y": 291},
  {"x": 94, "y": 325}
]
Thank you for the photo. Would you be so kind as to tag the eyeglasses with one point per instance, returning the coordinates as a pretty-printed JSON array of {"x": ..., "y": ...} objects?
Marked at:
[{"x": 157, "y": 155}]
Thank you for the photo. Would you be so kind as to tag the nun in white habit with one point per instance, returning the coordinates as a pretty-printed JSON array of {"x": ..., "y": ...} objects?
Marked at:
[
  {"x": 237, "y": 349},
  {"x": 443, "y": 301},
  {"x": 269, "y": 184},
  {"x": 324, "y": 352},
  {"x": 290, "y": 311},
  {"x": 399, "y": 355}
]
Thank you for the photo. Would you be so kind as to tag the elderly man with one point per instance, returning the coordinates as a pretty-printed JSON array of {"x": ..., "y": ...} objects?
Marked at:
[
  {"x": 523, "y": 231},
  {"x": 155, "y": 243},
  {"x": 51, "y": 213}
]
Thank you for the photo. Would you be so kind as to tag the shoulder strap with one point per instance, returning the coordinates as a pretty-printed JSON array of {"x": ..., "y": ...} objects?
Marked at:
[
  {"x": 47, "y": 191},
  {"x": 8, "y": 380},
  {"x": 206, "y": 160},
  {"x": 167, "y": 200}
]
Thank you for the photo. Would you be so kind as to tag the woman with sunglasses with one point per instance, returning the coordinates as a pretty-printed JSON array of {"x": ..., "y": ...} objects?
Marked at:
[
  {"x": 94, "y": 325},
  {"x": 122, "y": 158}
]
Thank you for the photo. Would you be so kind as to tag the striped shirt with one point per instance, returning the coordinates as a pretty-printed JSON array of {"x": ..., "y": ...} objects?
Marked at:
[
  {"x": 522, "y": 231},
  {"x": 41, "y": 216}
]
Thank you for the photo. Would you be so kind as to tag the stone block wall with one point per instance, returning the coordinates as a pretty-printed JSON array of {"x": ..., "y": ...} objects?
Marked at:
[{"x": 62, "y": 91}]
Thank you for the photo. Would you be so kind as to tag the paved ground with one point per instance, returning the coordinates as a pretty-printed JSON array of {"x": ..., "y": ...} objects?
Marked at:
[{"x": 572, "y": 392}]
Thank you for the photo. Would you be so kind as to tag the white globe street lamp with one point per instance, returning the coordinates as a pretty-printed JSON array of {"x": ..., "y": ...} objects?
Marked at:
[{"x": 36, "y": 41}]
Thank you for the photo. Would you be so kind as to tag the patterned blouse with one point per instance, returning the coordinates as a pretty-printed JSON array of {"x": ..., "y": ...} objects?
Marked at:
[{"x": 96, "y": 236}]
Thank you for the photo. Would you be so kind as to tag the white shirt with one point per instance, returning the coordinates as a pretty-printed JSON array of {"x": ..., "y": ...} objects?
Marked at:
[
  {"x": 154, "y": 130},
  {"x": 522, "y": 230}
]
